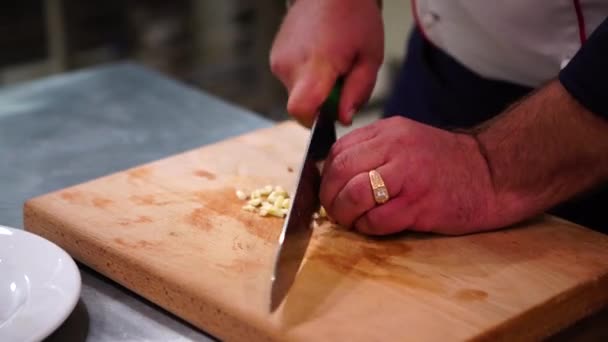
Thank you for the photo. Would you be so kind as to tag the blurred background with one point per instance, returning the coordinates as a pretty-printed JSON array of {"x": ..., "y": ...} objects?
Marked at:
[{"x": 220, "y": 47}]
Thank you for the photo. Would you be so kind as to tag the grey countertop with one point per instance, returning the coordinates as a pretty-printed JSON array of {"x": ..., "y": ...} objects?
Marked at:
[{"x": 74, "y": 127}]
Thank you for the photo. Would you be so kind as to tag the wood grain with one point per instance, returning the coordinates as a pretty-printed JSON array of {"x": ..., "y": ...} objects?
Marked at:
[{"x": 173, "y": 231}]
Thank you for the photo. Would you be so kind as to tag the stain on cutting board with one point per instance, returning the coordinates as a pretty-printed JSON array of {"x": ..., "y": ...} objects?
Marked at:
[
  {"x": 73, "y": 197},
  {"x": 471, "y": 295},
  {"x": 243, "y": 265},
  {"x": 339, "y": 259},
  {"x": 79, "y": 198},
  {"x": 372, "y": 258},
  {"x": 149, "y": 200},
  {"x": 139, "y": 219},
  {"x": 200, "y": 218},
  {"x": 102, "y": 203},
  {"x": 137, "y": 244},
  {"x": 139, "y": 173},
  {"x": 223, "y": 202},
  {"x": 204, "y": 174}
]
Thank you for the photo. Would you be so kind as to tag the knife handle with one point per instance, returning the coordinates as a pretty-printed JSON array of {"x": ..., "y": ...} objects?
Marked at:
[
  {"x": 332, "y": 104},
  {"x": 324, "y": 129}
]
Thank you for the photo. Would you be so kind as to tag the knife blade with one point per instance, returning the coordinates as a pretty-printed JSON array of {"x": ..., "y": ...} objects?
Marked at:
[{"x": 297, "y": 230}]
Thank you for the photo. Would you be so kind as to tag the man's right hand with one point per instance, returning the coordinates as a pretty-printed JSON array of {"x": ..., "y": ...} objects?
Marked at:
[{"x": 321, "y": 40}]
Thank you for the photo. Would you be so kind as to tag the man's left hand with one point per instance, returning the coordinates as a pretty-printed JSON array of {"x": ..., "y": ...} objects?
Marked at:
[{"x": 438, "y": 181}]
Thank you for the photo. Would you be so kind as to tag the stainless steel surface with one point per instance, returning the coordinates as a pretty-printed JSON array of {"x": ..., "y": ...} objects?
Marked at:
[
  {"x": 297, "y": 231},
  {"x": 71, "y": 128}
]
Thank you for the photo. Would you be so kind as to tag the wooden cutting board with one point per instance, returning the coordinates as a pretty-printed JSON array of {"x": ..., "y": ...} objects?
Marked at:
[{"x": 173, "y": 231}]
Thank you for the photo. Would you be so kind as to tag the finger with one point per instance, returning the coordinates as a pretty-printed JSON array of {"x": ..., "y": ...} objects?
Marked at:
[
  {"x": 354, "y": 137},
  {"x": 356, "y": 198},
  {"x": 310, "y": 89},
  {"x": 391, "y": 217},
  {"x": 357, "y": 89},
  {"x": 282, "y": 69},
  {"x": 343, "y": 167},
  {"x": 352, "y": 201}
]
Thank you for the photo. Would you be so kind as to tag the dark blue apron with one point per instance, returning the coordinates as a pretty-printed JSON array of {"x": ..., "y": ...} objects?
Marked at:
[{"x": 435, "y": 89}]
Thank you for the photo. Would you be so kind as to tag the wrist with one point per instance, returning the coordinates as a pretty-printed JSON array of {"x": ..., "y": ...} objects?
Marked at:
[
  {"x": 497, "y": 206},
  {"x": 483, "y": 199},
  {"x": 544, "y": 150},
  {"x": 507, "y": 204}
]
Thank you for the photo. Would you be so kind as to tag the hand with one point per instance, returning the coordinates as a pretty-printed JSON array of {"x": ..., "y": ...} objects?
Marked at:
[
  {"x": 438, "y": 181},
  {"x": 321, "y": 40}
]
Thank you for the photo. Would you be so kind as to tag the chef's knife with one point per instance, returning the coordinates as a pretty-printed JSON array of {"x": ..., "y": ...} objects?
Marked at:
[{"x": 297, "y": 227}]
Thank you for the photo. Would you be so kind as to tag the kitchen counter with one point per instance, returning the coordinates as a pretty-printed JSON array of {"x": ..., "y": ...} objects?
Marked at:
[{"x": 75, "y": 127}]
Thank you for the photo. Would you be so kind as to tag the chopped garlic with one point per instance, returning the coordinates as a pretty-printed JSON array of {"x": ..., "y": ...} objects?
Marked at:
[
  {"x": 274, "y": 211},
  {"x": 249, "y": 207},
  {"x": 255, "y": 202},
  {"x": 266, "y": 190},
  {"x": 316, "y": 216},
  {"x": 267, "y": 201},
  {"x": 256, "y": 194},
  {"x": 241, "y": 195},
  {"x": 278, "y": 202},
  {"x": 272, "y": 197}
]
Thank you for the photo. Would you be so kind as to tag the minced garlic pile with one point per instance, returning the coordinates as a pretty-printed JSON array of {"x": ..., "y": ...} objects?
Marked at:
[{"x": 271, "y": 201}]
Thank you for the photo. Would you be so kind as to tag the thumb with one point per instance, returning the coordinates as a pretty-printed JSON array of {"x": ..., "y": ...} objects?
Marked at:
[
  {"x": 358, "y": 87},
  {"x": 311, "y": 87}
]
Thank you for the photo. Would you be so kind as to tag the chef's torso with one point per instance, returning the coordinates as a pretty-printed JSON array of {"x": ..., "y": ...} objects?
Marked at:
[{"x": 521, "y": 41}]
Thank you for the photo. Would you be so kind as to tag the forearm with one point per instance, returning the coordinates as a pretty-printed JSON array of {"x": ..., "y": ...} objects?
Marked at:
[{"x": 542, "y": 151}]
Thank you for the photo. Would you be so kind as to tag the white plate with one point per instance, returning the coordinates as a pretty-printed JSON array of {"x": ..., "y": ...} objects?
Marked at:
[{"x": 39, "y": 286}]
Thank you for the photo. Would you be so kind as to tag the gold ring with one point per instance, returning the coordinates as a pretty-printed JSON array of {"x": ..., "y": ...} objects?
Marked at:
[{"x": 379, "y": 190}]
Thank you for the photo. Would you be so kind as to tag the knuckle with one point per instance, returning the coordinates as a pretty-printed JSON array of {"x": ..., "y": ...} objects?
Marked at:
[
  {"x": 342, "y": 164},
  {"x": 354, "y": 195},
  {"x": 277, "y": 64},
  {"x": 374, "y": 222},
  {"x": 353, "y": 202},
  {"x": 315, "y": 98},
  {"x": 335, "y": 149},
  {"x": 396, "y": 121},
  {"x": 302, "y": 105},
  {"x": 294, "y": 108},
  {"x": 298, "y": 108},
  {"x": 361, "y": 226},
  {"x": 340, "y": 218},
  {"x": 364, "y": 226},
  {"x": 360, "y": 193}
]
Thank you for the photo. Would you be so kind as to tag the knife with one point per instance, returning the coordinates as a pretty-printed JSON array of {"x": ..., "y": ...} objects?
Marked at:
[{"x": 297, "y": 230}]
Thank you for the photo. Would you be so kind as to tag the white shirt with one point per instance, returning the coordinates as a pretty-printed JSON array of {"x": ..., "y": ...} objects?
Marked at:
[{"x": 521, "y": 41}]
